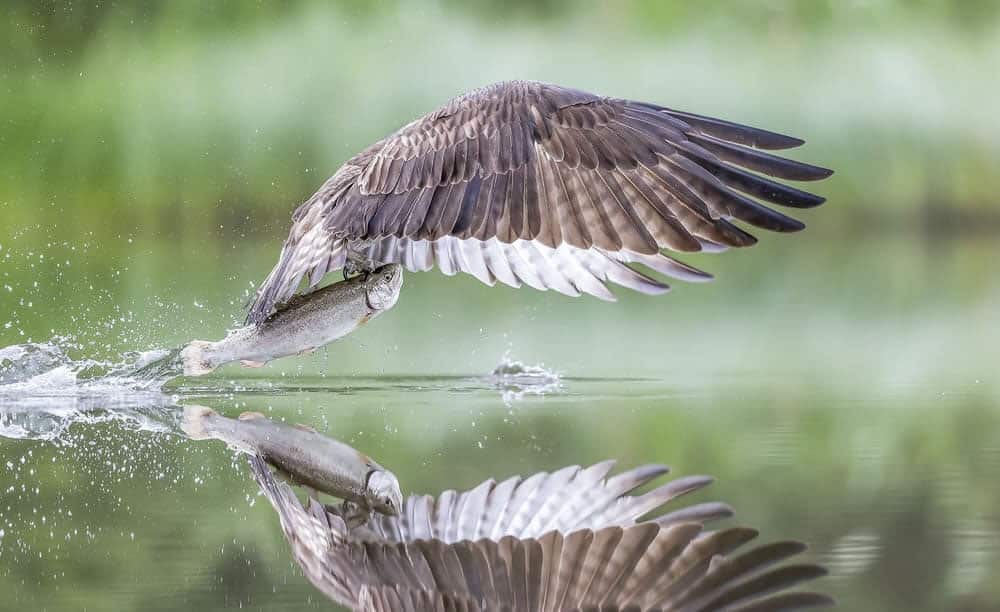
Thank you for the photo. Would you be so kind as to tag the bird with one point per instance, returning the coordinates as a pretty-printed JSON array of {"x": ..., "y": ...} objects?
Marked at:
[
  {"x": 530, "y": 183},
  {"x": 572, "y": 539}
]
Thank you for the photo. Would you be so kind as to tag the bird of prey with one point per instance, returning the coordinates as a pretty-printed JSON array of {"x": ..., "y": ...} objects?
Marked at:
[
  {"x": 530, "y": 183},
  {"x": 573, "y": 539}
]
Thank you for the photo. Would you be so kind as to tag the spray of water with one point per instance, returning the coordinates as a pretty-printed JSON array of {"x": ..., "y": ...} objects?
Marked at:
[
  {"x": 516, "y": 379},
  {"x": 47, "y": 369},
  {"x": 43, "y": 390}
]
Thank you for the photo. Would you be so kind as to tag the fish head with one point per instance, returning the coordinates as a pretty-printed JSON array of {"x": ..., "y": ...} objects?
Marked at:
[
  {"x": 383, "y": 493},
  {"x": 383, "y": 286}
]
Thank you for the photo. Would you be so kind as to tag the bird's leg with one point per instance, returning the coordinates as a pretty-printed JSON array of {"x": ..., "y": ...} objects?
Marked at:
[
  {"x": 352, "y": 267},
  {"x": 357, "y": 263},
  {"x": 357, "y": 517},
  {"x": 354, "y": 515}
]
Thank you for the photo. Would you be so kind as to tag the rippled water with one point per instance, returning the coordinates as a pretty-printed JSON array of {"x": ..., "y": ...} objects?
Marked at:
[{"x": 833, "y": 402}]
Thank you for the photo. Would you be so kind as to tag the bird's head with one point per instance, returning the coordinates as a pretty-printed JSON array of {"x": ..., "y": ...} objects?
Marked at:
[
  {"x": 383, "y": 493},
  {"x": 383, "y": 286}
]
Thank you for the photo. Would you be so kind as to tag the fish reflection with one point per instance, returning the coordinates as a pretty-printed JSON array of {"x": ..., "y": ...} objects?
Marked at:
[
  {"x": 576, "y": 538},
  {"x": 305, "y": 457}
]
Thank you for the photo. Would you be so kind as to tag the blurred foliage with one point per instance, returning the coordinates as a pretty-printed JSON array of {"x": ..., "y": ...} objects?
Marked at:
[
  {"x": 180, "y": 117},
  {"x": 32, "y": 26}
]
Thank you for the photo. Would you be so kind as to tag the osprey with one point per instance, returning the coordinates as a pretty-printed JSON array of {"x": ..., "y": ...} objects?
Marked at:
[
  {"x": 573, "y": 539},
  {"x": 530, "y": 183}
]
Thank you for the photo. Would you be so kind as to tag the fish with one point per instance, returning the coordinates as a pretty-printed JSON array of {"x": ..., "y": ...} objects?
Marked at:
[
  {"x": 304, "y": 456},
  {"x": 301, "y": 325}
]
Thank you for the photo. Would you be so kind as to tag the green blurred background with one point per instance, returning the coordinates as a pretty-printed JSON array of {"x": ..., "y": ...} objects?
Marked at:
[
  {"x": 173, "y": 119},
  {"x": 841, "y": 382}
]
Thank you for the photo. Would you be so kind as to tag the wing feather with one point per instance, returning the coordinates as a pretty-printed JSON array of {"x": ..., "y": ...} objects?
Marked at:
[
  {"x": 571, "y": 574},
  {"x": 701, "y": 513},
  {"x": 629, "y": 567},
  {"x": 548, "y": 500},
  {"x": 567, "y": 270},
  {"x": 472, "y": 511},
  {"x": 563, "y": 169},
  {"x": 521, "y": 267},
  {"x": 691, "y": 564}
]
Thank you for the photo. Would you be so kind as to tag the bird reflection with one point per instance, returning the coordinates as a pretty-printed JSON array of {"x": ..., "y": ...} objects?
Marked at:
[{"x": 573, "y": 539}]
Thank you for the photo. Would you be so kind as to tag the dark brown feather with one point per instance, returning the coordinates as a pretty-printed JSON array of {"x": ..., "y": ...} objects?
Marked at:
[{"x": 758, "y": 161}]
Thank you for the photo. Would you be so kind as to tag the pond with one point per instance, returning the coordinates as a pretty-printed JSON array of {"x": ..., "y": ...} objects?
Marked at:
[{"x": 842, "y": 395}]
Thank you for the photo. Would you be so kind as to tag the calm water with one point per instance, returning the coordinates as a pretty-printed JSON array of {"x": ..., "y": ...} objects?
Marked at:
[{"x": 844, "y": 397}]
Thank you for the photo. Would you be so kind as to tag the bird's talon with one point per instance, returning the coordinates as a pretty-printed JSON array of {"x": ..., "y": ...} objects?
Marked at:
[{"x": 353, "y": 515}]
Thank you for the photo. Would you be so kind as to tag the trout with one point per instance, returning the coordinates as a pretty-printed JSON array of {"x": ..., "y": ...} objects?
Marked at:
[
  {"x": 301, "y": 325},
  {"x": 304, "y": 456}
]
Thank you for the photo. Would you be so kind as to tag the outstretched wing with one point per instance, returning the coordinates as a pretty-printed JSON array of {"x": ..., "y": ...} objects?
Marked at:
[
  {"x": 660, "y": 565},
  {"x": 310, "y": 532},
  {"x": 642, "y": 567},
  {"x": 559, "y": 173}
]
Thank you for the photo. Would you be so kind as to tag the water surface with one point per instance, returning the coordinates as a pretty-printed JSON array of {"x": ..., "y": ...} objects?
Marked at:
[{"x": 838, "y": 401}]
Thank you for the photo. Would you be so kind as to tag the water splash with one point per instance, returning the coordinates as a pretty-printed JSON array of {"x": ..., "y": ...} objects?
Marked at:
[
  {"x": 516, "y": 379},
  {"x": 44, "y": 390},
  {"x": 45, "y": 418},
  {"x": 47, "y": 369}
]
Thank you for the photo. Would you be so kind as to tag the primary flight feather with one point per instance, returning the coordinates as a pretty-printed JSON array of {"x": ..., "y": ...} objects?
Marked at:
[{"x": 531, "y": 183}]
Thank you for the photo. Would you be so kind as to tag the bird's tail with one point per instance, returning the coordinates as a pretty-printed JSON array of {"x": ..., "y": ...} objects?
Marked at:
[
  {"x": 193, "y": 423},
  {"x": 194, "y": 360}
]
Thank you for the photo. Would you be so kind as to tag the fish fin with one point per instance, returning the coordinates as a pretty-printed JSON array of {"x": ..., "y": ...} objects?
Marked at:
[
  {"x": 304, "y": 428},
  {"x": 247, "y": 416},
  {"x": 250, "y": 363},
  {"x": 193, "y": 358},
  {"x": 193, "y": 423}
]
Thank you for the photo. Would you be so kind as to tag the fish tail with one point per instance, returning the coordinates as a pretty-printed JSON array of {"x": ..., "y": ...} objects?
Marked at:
[
  {"x": 193, "y": 423},
  {"x": 194, "y": 360}
]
